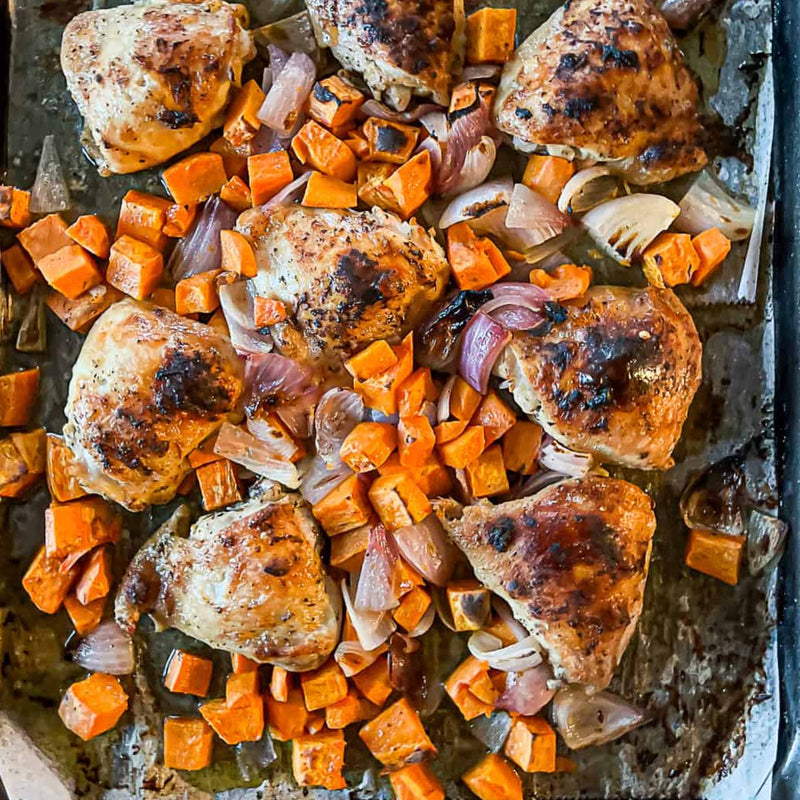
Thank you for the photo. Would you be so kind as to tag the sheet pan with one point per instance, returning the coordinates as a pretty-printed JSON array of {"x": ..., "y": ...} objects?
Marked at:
[{"x": 705, "y": 656}]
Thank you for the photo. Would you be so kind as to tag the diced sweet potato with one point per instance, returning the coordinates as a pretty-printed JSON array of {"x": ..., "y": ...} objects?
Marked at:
[
  {"x": 521, "y": 446},
  {"x": 46, "y": 583},
  {"x": 372, "y": 189},
  {"x": 134, "y": 267},
  {"x": 241, "y": 664},
  {"x": 197, "y": 294},
  {"x": 96, "y": 577},
  {"x": 715, "y": 554},
  {"x": 188, "y": 743},
  {"x": 345, "y": 507},
  {"x": 268, "y": 173},
  {"x": 218, "y": 484},
  {"x": 531, "y": 745},
  {"x": 548, "y": 175},
  {"x": 565, "y": 282},
  {"x": 334, "y": 102},
  {"x": 279, "y": 684},
  {"x": 61, "y": 471},
  {"x": 347, "y": 549},
  {"x": 237, "y": 254},
  {"x": 415, "y": 391},
  {"x": 14, "y": 207},
  {"x": 318, "y": 760},
  {"x": 398, "y": 501},
  {"x": 22, "y": 462},
  {"x": 495, "y": 416},
  {"x": 490, "y": 35},
  {"x": 287, "y": 720},
  {"x": 245, "y": 723},
  {"x": 70, "y": 270},
  {"x": 180, "y": 219},
  {"x": 470, "y": 604},
  {"x": 325, "y": 191},
  {"x": 90, "y": 233},
  {"x": 372, "y": 361},
  {"x": 380, "y": 391},
  {"x": 476, "y": 263},
  {"x": 670, "y": 260},
  {"x": 241, "y": 119},
  {"x": 242, "y": 688},
  {"x": 397, "y": 736},
  {"x": 351, "y": 708},
  {"x": 415, "y": 440},
  {"x": 85, "y": 618},
  {"x": 389, "y": 141},
  {"x": 416, "y": 782},
  {"x": 373, "y": 682},
  {"x": 73, "y": 529},
  {"x": 471, "y": 689},
  {"x": 188, "y": 674},
  {"x": 464, "y": 400},
  {"x": 195, "y": 178},
  {"x": 368, "y": 445},
  {"x": 93, "y": 706},
  {"x": 19, "y": 269},
  {"x": 411, "y": 183},
  {"x": 712, "y": 247},
  {"x": 268, "y": 311},
  {"x": 486, "y": 475},
  {"x": 324, "y": 686},
  {"x": 17, "y": 396},
  {"x": 493, "y": 778},
  {"x": 463, "y": 449},
  {"x": 44, "y": 237},
  {"x": 412, "y": 608},
  {"x": 143, "y": 216},
  {"x": 320, "y": 149}
]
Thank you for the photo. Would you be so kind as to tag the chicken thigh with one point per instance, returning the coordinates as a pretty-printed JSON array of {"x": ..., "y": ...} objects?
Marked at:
[
  {"x": 614, "y": 375},
  {"x": 572, "y": 563},
  {"x": 152, "y": 78},
  {"x": 147, "y": 388},
  {"x": 604, "y": 80},
  {"x": 401, "y": 47},
  {"x": 247, "y": 580},
  {"x": 346, "y": 278}
]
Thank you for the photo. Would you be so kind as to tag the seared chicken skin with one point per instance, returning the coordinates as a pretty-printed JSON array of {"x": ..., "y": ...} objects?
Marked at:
[
  {"x": 147, "y": 388},
  {"x": 572, "y": 563},
  {"x": 248, "y": 580},
  {"x": 152, "y": 78},
  {"x": 346, "y": 278},
  {"x": 604, "y": 80},
  {"x": 614, "y": 376},
  {"x": 401, "y": 47}
]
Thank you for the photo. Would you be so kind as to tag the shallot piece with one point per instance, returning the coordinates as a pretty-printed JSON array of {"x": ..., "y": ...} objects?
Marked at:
[
  {"x": 290, "y": 89},
  {"x": 588, "y": 188},
  {"x": 238, "y": 310},
  {"x": 200, "y": 250},
  {"x": 280, "y": 384},
  {"x": 584, "y": 720},
  {"x": 353, "y": 658},
  {"x": 465, "y": 132},
  {"x": 482, "y": 343},
  {"x": 372, "y": 628},
  {"x": 320, "y": 478},
  {"x": 517, "y": 306},
  {"x": 255, "y": 455},
  {"x": 106, "y": 649},
  {"x": 49, "y": 192},
  {"x": 535, "y": 214},
  {"x": 527, "y": 692},
  {"x": 376, "y": 584},
  {"x": 477, "y": 165},
  {"x": 708, "y": 204},
  {"x": 426, "y": 547},
  {"x": 477, "y": 202},
  {"x": 337, "y": 413},
  {"x": 558, "y": 458},
  {"x": 374, "y": 108},
  {"x": 516, "y": 657}
]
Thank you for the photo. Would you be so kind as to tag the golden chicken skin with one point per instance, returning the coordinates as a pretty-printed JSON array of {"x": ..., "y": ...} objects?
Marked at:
[
  {"x": 152, "y": 78},
  {"x": 401, "y": 47},
  {"x": 346, "y": 278},
  {"x": 148, "y": 387},
  {"x": 572, "y": 563},
  {"x": 604, "y": 80},
  {"x": 613, "y": 375},
  {"x": 247, "y": 580}
]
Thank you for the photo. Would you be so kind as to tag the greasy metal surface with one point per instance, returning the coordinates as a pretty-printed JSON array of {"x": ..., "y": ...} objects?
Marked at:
[{"x": 698, "y": 656}]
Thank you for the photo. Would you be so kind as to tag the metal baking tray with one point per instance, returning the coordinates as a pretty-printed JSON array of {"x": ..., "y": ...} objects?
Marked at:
[{"x": 707, "y": 659}]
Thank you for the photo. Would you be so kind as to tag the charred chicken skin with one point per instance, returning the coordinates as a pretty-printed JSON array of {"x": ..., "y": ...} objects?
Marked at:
[
  {"x": 572, "y": 563},
  {"x": 346, "y": 278},
  {"x": 148, "y": 387},
  {"x": 604, "y": 80},
  {"x": 401, "y": 47},
  {"x": 152, "y": 78},
  {"x": 614, "y": 375},
  {"x": 248, "y": 580}
]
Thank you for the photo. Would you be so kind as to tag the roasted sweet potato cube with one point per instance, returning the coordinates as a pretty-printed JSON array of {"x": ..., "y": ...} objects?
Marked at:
[
  {"x": 486, "y": 475},
  {"x": 334, "y": 102},
  {"x": 351, "y": 708},
  {"x": 715, "y": 554},
  {"x": 345, "y": 507},
  {"x": 188, "y": 743},
  {"x": 241, "y": 664},
  {"x": 463, "y": 449},
  {"x": 17, "y": 396},
  {"x": 287, "y": 719},
  {"x": 417, "y": 389},
  {"x": 411, "y": 183},
  {"x": 218, "y": 484},
  {"x": 415, "y": 440},
  {"x": 373, "y": 360},
  {"x": 368, "y": 445},
  {"x": 521, "y": 445},
  {"x": 324, "y": 686},
  {"x": 245, "y": 723},
  {"x": 46, "y": 583},
  {"x": 73, "y": 529},
  {"x": 490, "y": 35},
  {"x": 373, "y": 682},
  {"x": 416, "y": 782},
  {"x": 397, "y": 736},
  {"x": 79, "y": 314},
  {"x": 493, "y": 778},
  {"x": 242, "y": 688},
  {"x": 14, "y": 207},
  {"x": 412, "y": 608},
  {"x": 45, "y": 236},
  {"x": 531, "y": 745},
  {"x": 96, "y": 577},
  {"x": 398, "y": 501},
  {"x": 19, "y": 269},
  {"x": 22, "y": 462},
  {"x": 389, "y": 141},
  {"x": 495, "y": 416},
  {"x": 471, "y": 689},
  {"x": 143, "y": 216},
  {"x": 134, "y": 267},
  {"x": 93, "y": 706},
  {"x": 85, "y": 618},
  {"x": 318, "y": 760},
  {"x": 188, "y": 674},
  {"x": 470, "y": 604},
  {"x": 241, "y": 119},
  {"x": 371, "y": 187}
]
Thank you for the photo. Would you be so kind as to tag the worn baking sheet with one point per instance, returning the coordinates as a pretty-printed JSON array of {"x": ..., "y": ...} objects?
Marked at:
[{"x": 704, "y": 656}]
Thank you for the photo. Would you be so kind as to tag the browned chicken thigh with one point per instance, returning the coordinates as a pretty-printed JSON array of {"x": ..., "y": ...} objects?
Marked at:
[
  {"x": 614, "y": 376},
  {"x": 346, "y": 278},
  {"x": 247, "y": 580},
  {"x": 401, "y": 47},
  {"x": 572, "y": 563},
  {"x": 604, "y": 80},
  {"x": 147, "y": 388},
  {"x": 154, "y": 77}
]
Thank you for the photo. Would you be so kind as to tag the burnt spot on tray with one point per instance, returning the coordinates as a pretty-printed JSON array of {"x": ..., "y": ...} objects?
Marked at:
[{"x": 189, "y": 382}]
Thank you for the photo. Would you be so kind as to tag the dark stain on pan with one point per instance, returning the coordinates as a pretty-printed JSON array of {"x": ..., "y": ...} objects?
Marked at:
[{"x": 62, "y": 11}]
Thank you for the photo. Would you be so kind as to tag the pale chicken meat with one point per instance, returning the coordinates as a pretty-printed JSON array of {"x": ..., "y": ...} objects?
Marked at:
[
  {"x": 572, "y": 563},
  {"x": 148, "y": 387},
  {"x": 613, "y": 374},
  {"x": 401, "y": 47},
  {"x": 247, "y": 580},
  {"x": 154, "y": 77},
  {"x": 346, "y": 278},
  {"x": 604, "y": 80}
]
